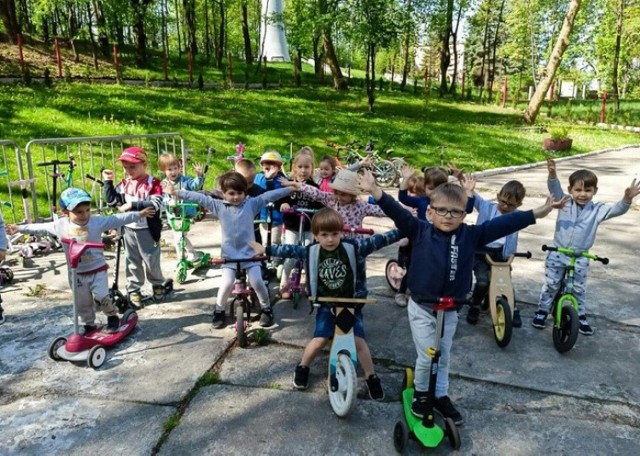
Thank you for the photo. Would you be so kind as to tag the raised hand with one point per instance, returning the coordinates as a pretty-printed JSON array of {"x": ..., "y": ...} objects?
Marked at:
[
  {"x": 366, "y": 182},
  {"x": 455, "y": 171},
  {"x": 168, "y": 188},
  {"x": 551, "y": 167},
  {"x": 632, "y": 191},
  {"x": 406, "y": 172},
  {"x": 198, "y": 169},
  {"x": 148, "y": 212},
  {"x": 257, "y": 247},
  {"x": 549, "y": 205},
  {"x": 287, "y": 183},
  {"x": 366, "y": 161},
  {"x": 468, "y": 182},
  {"x": 11, "y": 229},
  {"x": 107, "y": 174}
]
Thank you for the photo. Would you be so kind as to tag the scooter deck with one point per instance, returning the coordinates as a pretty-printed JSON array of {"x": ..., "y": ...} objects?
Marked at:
[
  {"x": 79, "y": 343},
  {"x": 429, "y": 437}
]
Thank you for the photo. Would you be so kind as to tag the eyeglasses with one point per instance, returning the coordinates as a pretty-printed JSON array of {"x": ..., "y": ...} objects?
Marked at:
[
  {"x": 443, "y": 211},
  {"x": 508, "y": 204}
]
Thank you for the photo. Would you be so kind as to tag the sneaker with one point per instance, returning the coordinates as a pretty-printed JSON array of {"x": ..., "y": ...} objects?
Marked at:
[
  {"x": 158, "y": 293},
  {"x": 584, "y": 327},
  {"x": 375, "y": 387},
  {"x": 266, "y": 318},
  {"x": 135, "y": 297},
  {"x": 113, "y": 323},
  {"x": 473, "y": 314},
  {"x": 445, "y": 407},
  {"x": 539, "y": 319},
  {"x": 401, "y": 300},
  {"x": 301, "y": 377},
  {"x": 517, "y": 321},
  {"x": 218, "y": 321},
  {"x": 420, "y": 403},
  {"x": 89, "y": 328},
  {"x": 1, "y": 315}
]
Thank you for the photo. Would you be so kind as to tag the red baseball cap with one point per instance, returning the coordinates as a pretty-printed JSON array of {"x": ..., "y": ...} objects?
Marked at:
[{"x": 133, "y": 155}]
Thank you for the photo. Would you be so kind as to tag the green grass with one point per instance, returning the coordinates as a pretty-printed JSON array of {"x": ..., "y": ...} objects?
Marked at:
[{"x": 475, "y": 136}]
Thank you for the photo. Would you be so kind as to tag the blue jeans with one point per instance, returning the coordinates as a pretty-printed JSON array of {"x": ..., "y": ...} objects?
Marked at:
[{"x": 325, "y": 323}]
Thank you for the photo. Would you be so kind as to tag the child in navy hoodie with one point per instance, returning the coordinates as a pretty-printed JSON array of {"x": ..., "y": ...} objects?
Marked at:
[{"x": 443, "y": 246}]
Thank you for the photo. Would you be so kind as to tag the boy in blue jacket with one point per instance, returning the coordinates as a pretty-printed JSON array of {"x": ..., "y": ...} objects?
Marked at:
[{"x": 446, "y": 246}]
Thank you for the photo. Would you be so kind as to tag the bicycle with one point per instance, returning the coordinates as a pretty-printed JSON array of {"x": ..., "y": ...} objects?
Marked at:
[
  {"x": 181, "y": 223},
  {"x": 244, "y": 297},
  {"x": 343, "y": 359},
  {"x": 500, "y": 297},
  {"x": 294, "y": 279},
  {"x": 383, "y": 170},
  {"x": 565, "y": 305}
]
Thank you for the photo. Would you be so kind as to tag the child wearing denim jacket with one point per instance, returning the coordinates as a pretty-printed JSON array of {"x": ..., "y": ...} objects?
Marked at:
[
  {"x": 442, "y": 259},
  {"x": 576, "y": 228},
  {"x": 333, "y": 273}
]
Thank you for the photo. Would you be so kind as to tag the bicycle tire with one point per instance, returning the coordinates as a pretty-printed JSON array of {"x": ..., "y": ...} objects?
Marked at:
[
  {"x": 241, "y": 330},
  {"x": 344, "y": 398},
  {"x": 386, "y": 174},
  {"x": 565, "y": 334},
  {"x": 503, "y": 328}
]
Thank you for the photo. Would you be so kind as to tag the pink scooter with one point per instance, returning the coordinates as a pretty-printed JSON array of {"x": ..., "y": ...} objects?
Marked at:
[{"x": 90, "y": 347}]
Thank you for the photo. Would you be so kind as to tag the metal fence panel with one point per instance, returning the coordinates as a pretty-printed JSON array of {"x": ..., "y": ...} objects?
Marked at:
[
  {"x": 13, "y": 187},
  {"x": 63, "y": 162}
]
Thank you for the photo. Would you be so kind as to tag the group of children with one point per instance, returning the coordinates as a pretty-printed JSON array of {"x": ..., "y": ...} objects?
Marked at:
[{"x": 445, "y": 248}]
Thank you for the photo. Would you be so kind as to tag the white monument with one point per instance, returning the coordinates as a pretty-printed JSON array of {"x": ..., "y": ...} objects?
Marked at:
[{"x": 273, "y": 42}]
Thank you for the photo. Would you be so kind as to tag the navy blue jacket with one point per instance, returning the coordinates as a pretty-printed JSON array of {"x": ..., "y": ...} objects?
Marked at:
[{"x": 442, "y": 263}]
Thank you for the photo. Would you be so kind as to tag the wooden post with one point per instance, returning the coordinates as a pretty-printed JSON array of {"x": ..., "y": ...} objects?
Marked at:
[
  {"x": 504, "y": 91},
  {"x": 115, "y": 62},
  {"x": 190, "y": 65},
  {"x": 230, "y": 60},
  {"x": 58, "y": 57},
  {"x": 264, "y": 74},
  {"x": 603, "y": 109},
  {"x": 464, "y": 77},
  {"x": 22, "y": 64},
  {"x": 165, "y": 65}
]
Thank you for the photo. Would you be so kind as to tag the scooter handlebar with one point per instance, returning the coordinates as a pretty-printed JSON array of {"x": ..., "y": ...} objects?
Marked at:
[
  {"x": 76, "y": 250},
  {"x": 351, "y": 229},
  {"x": 239, "y": 260}
]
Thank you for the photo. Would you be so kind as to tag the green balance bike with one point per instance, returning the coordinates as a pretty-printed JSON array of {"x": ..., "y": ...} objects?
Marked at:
[
  {"x": 185, "y": 214},
  {"x": 565, "y": 305},
  {"x": 425, "y": 429}
]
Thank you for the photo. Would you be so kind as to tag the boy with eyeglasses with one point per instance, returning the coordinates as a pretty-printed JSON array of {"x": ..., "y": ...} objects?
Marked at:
[
  {"x": 446, "y": 246},
  {"x": 510, "y": 199}
]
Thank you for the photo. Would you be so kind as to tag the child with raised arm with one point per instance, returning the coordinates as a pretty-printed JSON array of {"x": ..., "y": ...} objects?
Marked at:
[
  {"x": 443, "y": 247},
  {"x": 576, "y": 228},
  {"x": 236, "y": 213},
  {"x": 137, "y": 191},
  {"x": 92, "y": 276},
  {"x": 171, "y": 167},
  {"x": 509, "y": 200},
  {"x": 269, "y": 179},
  {"x": 333, "y": 273},
  {"x": 248, "y": 170}
]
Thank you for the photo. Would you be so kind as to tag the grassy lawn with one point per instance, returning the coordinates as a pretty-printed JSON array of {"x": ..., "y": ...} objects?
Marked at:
[{"x": 475, "y": 136}]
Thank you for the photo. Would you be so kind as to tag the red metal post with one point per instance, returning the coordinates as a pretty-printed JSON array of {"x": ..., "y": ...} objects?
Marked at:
[
  {"x": 190, "y": 65},
  {"x": 504, "y": 91},
  {"x": 58, "y": 57},
  {"x": 22, "y": 65},
  {"x": 603, "y": 109}
]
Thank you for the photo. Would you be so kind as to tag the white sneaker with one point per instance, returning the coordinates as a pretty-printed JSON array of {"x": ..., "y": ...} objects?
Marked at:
[{"x": 401, "y": 300}]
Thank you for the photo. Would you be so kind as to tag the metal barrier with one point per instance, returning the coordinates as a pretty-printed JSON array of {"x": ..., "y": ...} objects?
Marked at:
[
  {"x": 63, "y": 162},
  {"x": 12, "y": 174}
]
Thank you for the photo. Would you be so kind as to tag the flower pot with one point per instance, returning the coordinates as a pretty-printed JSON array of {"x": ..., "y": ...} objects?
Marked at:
[{"x": 557, "y": 144}]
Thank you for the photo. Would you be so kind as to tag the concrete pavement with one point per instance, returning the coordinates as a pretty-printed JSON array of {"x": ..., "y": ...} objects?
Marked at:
[{"x": 525, "y": 399}]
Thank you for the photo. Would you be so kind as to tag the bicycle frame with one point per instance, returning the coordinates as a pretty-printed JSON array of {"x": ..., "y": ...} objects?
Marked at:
[
  {"x": 182, "y": 224},
  {"x": 294, "y": 279}
]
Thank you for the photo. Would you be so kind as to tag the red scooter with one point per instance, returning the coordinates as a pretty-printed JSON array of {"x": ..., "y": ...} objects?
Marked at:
[{"x": 90, "y": 347}]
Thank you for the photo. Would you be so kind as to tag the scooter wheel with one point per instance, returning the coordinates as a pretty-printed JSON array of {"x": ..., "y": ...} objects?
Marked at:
[
  {"x": 343, "y": 399},
  {"x": 400, "y": 436},
  {"x": 452, "y": 433},
  {"x": 97, "y": 357},
  {"x": 129, "y": 315},
  {"x": 407, "y": 380},
  {"x": 181, "y": 274},
  {"x": 53, "y": 348}
]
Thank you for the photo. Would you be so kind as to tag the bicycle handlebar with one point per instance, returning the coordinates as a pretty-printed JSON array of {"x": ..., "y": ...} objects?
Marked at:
[
  {"x": 298, "y": 210},
  {"x": 351, "y": 229},
  {"x": 94, "y": 179},
  {"x": 526, "y": 254},
  {"x": 572, "y": 253},
  {"x": 56, "y": 162},
  {"x": 239, "y": 260}
]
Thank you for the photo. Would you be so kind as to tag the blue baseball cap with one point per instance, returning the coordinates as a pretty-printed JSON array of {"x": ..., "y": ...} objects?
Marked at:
[{"x": 73, "y": 196}]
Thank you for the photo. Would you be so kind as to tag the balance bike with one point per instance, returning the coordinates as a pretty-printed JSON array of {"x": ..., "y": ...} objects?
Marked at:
[
  {"x": 343, "y": 359},
  {"x": 425, "y": 429},
  {"x": 295, "y": 278},
  {"x": 501, "y": 297},
  {"x": 182, "y": 223},
  {"x": 89, "y": 348}
]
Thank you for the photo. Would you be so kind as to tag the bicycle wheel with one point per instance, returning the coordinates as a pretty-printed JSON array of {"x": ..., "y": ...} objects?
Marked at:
[
  {"x": 394, "y": 274},
  {"x": 241, "y": 329},
  {"x": 566, "y": 333},
  {"x": 343, "y": 398},
  {"x": 503, "y": 327},
  {"x": 385, "y": 174}
]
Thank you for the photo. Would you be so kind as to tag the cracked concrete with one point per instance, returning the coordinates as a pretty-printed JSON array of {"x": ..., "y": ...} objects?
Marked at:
[{"x": 522, "y": 400}]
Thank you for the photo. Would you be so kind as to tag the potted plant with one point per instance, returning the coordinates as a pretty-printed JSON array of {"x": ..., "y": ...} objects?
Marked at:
[{"x": 559, "y": 139}]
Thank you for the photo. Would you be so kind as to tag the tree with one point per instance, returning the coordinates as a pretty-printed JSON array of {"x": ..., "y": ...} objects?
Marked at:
[
  {"x": 10, "y": 19},
  {"x": 139, "y": 13},
  {"x": 560, "y": 46},
  {"x": 327, "y": 11}
]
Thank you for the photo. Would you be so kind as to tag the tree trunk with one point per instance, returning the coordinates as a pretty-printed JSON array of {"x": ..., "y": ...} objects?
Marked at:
[
  {"x": 454, "y": 36},
  {"x": 339, "y": 82},
  {"x": 139, "y": 13},
  {"x": 407, "y": 44},
  {"x": 317, "y": 56},
  {"x": 534, "y": 47},
  {"x": 494, "y": 45},
  {"x": 103, "y": 40},
  {"x": 561, "y": 45},
  {"x": 485, "y": 52},
  {"x": 220, "y": 50},
  {"x": 207, "y": 31},
  {"x": 445, "y": 52},
  {"x": 94, "y": 46},
  {"x": 10, "y": 19},
  {"x": 248, "y": 53},
  {"x": 176, "y": 4},
  {"x": 71, "y": 32},
  {"x": 189, "y": 8},
  {"x": 616, "y": 55}
]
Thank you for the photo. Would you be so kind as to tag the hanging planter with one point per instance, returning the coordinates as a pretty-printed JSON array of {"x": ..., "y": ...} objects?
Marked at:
[{"x": 558, "y": 141}]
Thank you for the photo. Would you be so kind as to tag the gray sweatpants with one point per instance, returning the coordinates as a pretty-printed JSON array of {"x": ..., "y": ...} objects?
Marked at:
[
  {"x": 90, "y": 287},
  {"x": 554, "y": 268},
  {"x": 423, "y": 330},
  {"x": 142, "y": 259}
]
